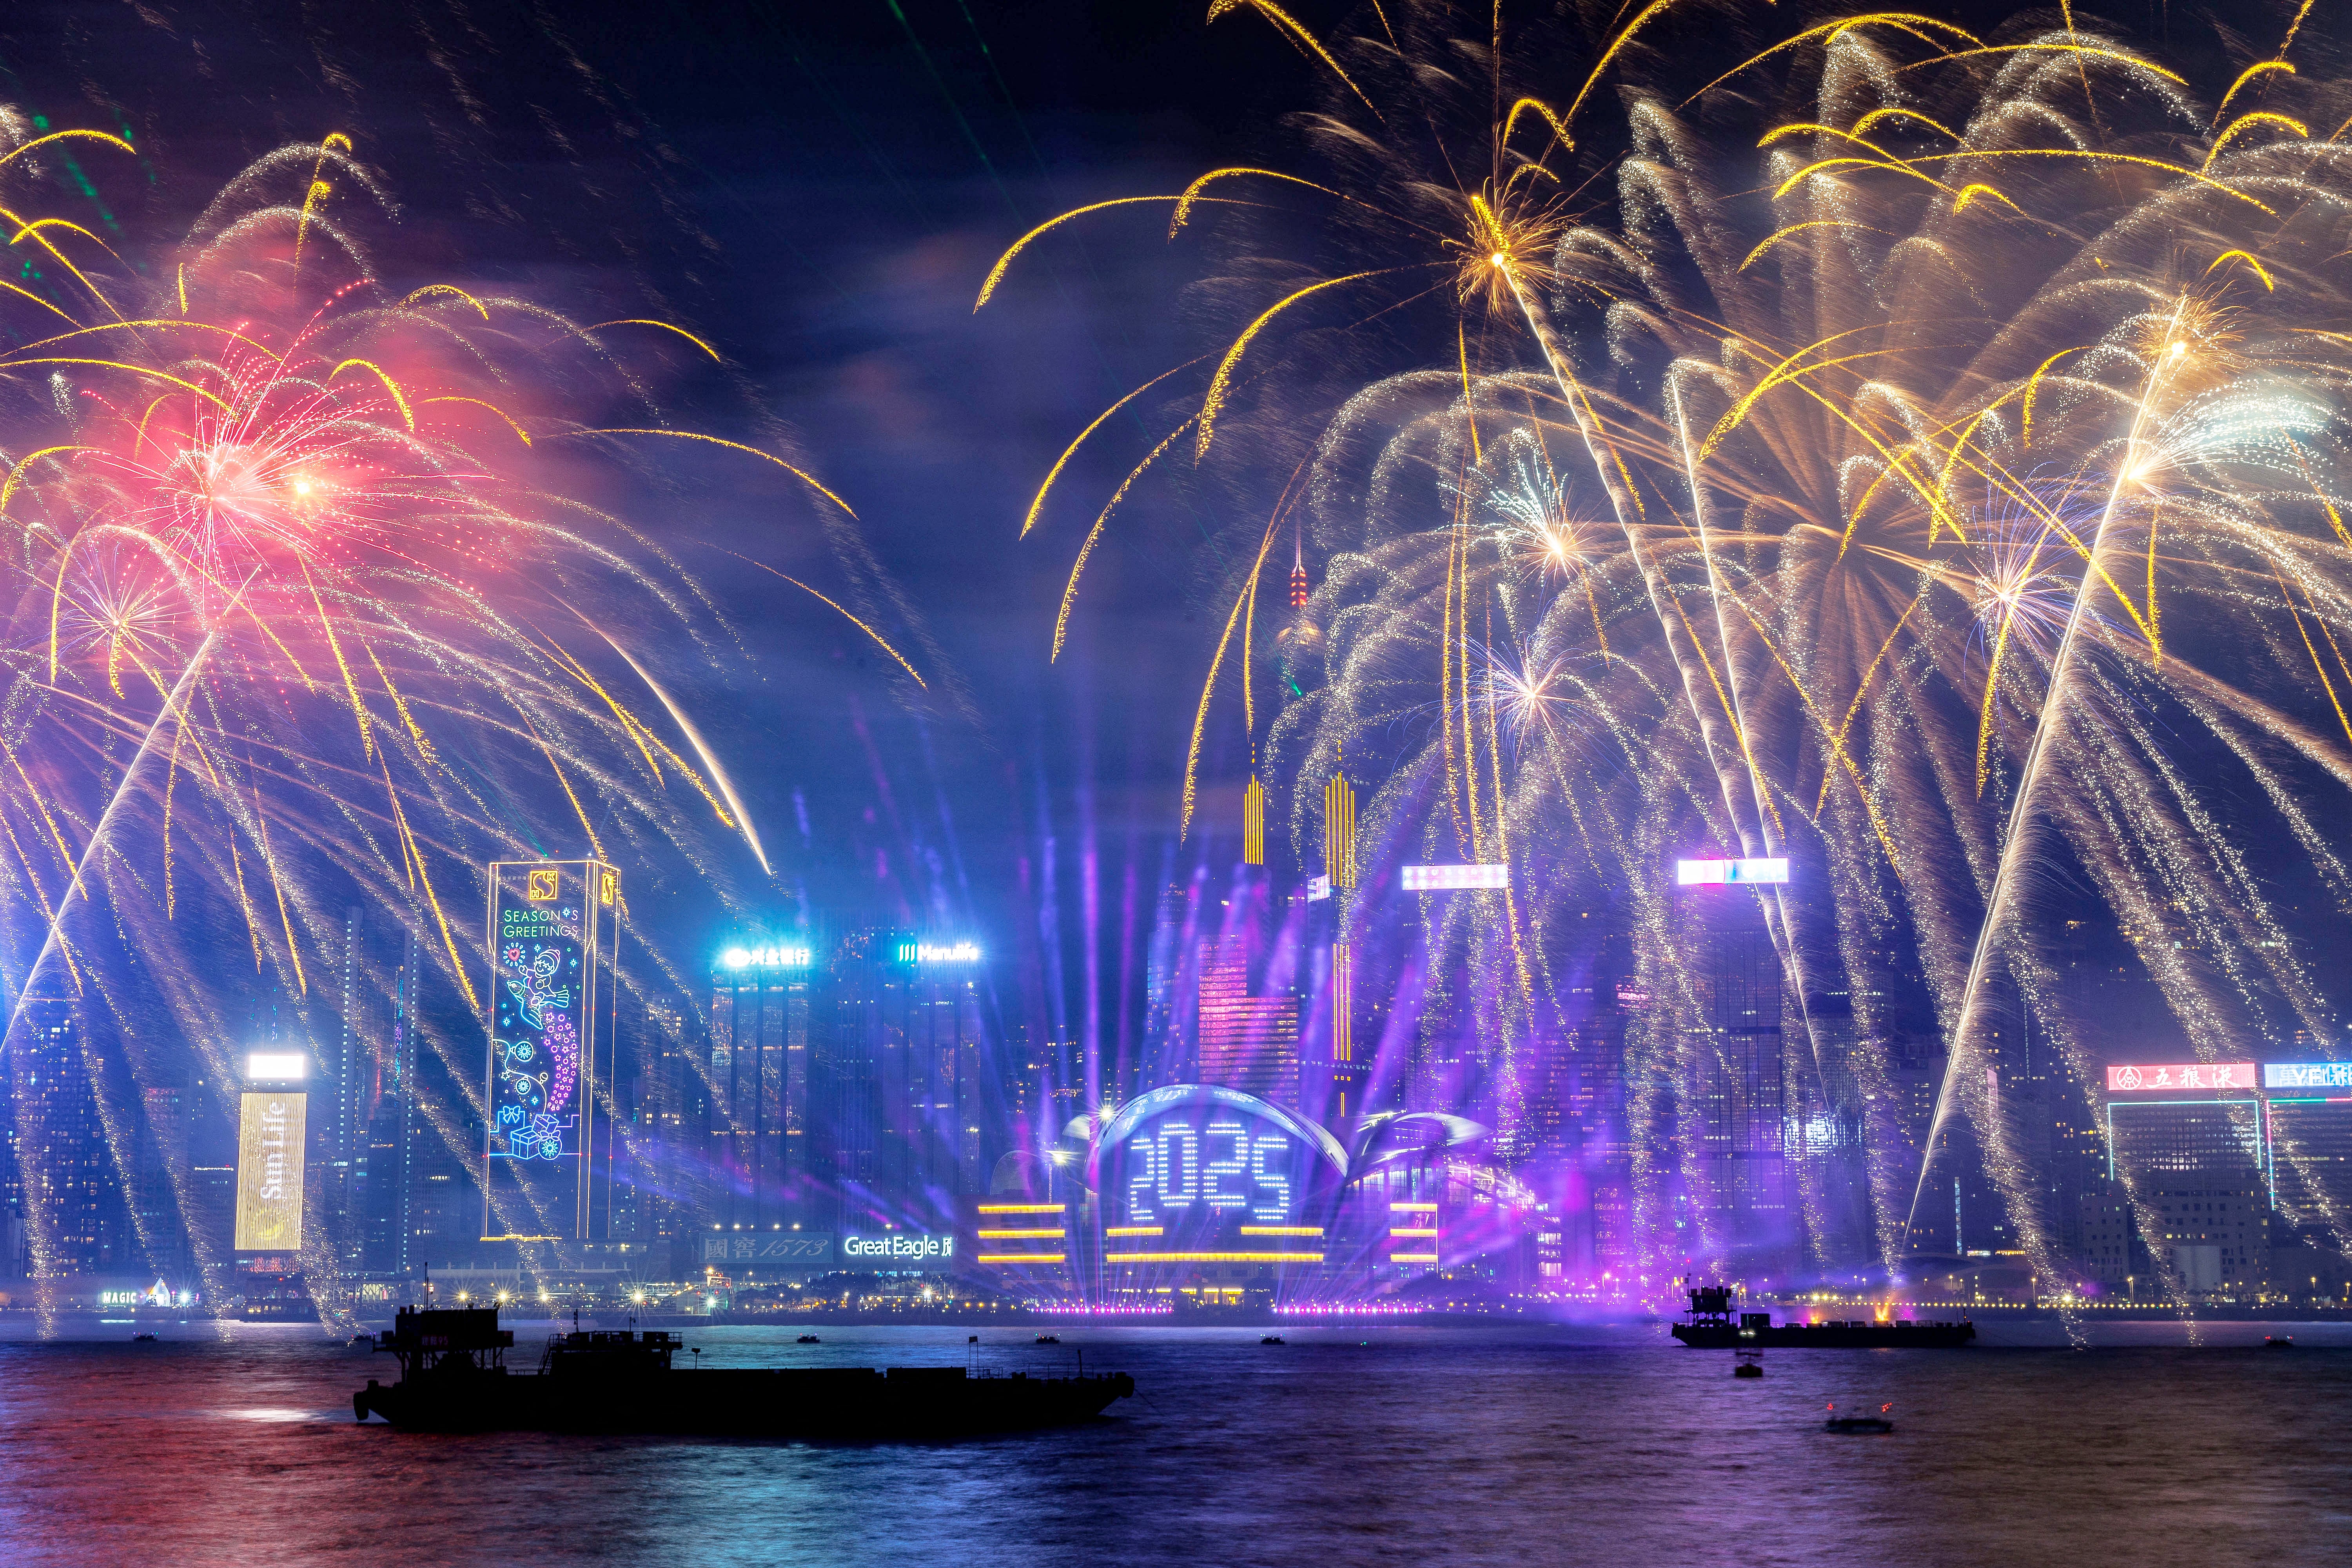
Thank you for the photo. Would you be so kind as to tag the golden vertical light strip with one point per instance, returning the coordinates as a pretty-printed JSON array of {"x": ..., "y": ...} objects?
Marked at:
[{"x": 1339, "y": 831}]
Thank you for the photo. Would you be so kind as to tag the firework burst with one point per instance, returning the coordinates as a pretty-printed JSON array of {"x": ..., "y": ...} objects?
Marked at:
[
  {"x": 303, "y": 591},
  {"x": 1968, "y": 416}
]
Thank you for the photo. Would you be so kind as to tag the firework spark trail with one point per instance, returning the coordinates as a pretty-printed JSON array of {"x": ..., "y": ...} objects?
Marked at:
[{"x": 1963, "y": 1056}]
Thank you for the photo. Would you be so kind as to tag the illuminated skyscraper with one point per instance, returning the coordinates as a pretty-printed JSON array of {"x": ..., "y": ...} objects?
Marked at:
[
  {"x": 1741, "y": 1102},
  {"x": 63, "y": 1174},
  {"x": 395, "y": 1125},
  {"x": 355, "y": 1074},
  {"x": 908, "y": 1055},
  {"x": 846, "y": 1082},
  {"x": 1248, "y": 1040},
  {"x": 764, "y": 998},
  {"x": 552, "y": 931}
]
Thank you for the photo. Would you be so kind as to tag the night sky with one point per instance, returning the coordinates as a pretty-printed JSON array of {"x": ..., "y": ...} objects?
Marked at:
[{"x": 818, "y": 191}]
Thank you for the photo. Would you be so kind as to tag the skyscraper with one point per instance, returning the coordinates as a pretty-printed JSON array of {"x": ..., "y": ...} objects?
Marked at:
[
  {"x": 64, "y": 1181},
  {"x": 1248, "y": 1037},
  {"x": 764, "y": 1005}
]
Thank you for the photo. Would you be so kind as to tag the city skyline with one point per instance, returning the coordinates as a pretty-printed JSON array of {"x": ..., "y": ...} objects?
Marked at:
[{"x": 1474, "y": 795}]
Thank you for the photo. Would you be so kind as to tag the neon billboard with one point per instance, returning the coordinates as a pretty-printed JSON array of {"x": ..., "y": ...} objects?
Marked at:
[
  {"x": 2307, "y": 1075},
  {"x": 900, "y": 1247},
  {"x": 2140, "y": 1080},
  {"x": 551, "y": 930},
  {"x": 1718, "y": 873},
  {"x": 1445, "y": 879},
  {"x": 939, "y": 952},
  {"x": 765, "y": 958},
  {"x": 269, "y": 1144}
]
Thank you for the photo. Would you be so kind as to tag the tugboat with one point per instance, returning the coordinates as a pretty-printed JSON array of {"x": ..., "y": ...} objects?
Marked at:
[
  {"x": 453, "y": 1378},
  {"x": 1709, "y": 1326}
]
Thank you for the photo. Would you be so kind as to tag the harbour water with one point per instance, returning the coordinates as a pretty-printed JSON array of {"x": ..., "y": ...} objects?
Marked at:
[{"x": 1388, "y": 1445}]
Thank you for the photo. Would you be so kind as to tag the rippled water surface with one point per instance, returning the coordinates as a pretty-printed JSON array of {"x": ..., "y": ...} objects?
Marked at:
[{"x": 1388, "y": 1444}]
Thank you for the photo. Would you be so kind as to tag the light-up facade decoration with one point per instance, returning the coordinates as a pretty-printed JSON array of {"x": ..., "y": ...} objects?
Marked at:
[
  {"x": 1718, "y": 873},
  {"x": 269, "y": 1145},
  {"x": 1317, "y": 890},
  {"x": 2174, "y": 1075},
  {"x": 1412, "y": 1234},
  {"x": 277, "y": 1067},
  {"x": 1014, "y": 1232},
  {"x": 2307, "y": 1075},
  {"x": 1197, "y": 1180},
  {"x": 1339, "y": 831},
  {"x": 1254, "y": 823},
  {"x": 1445, "y": 879},
  {"x": 551, "y": 931}
]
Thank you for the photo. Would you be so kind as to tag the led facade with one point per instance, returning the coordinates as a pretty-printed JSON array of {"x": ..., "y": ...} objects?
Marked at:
[
  {"x": 2137, "y": 1080},
  {"x": 765, "y": 958},
  {"x": 1443, "y": 878},
  {"x": 899, "y": 1249},
  {"x": 551, "y": 931},
  {"x": 1205, "y": 1180},
  {"x": 269, "y": 1144},
  {"x": 2307, "y": 1075},
  {"x": 1717, "y": 873}
]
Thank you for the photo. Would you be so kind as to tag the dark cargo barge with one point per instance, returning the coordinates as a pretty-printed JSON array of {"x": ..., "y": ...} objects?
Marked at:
[
  {"x": 453, "y": 1378},
  {"x": 1710, "y": 1326}
]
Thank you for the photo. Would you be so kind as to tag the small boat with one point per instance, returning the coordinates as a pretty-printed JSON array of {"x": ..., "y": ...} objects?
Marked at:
[
  {"x": 143, "y": 1339},
  {"x": 808, "y": 1339},
  {"x": 1271, "y": 1340},
  {"x": 1747, "y": 1363},
  {"x": 2278, "y": 1341},
  {"x": 1049, "y": 1339},
  {"x": 366, "y": 1340},
  {"x": 1878, "y": 1423}
]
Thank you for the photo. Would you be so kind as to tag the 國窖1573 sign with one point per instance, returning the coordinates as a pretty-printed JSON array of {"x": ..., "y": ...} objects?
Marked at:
[
  {"x": 1715, "y": 873},
  {"x": 2139, "y": 1080},
  {"x": 551, "y": 930}
]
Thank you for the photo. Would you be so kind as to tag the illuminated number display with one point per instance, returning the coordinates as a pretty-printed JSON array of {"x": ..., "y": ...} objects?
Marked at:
[
  {"x": 549, "y": 945},
  {"x": 1224, "y": 1167},
  {"x": 1216, "y": 1165}
]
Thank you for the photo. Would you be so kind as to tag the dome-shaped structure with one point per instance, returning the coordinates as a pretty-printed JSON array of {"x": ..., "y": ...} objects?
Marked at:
[
  {"x": 1019, "y": 1174},
  {"x": 1391, "y": 1135}
]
